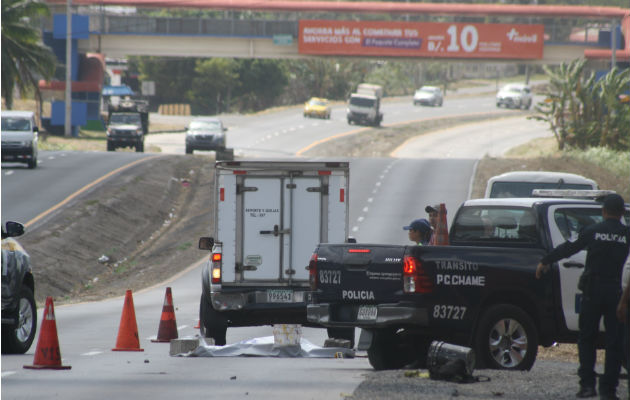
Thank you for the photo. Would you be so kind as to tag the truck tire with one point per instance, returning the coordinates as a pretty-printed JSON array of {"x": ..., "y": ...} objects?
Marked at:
[
  {"x": 387, "y": 350},
  {"x": 140, "y": 147},
  {"x": 18, "y": 339},
  {"x": 189, "y": 150},
  {"x": 110, "y": 146},
  {"x": 506, "y": 339},
  {"x": 211, "y": 323},
  {"x": 342, "y": 333},
  {"x": 32, "y": 163}
]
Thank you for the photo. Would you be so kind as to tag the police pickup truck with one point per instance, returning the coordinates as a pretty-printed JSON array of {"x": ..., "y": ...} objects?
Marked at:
[{"x": 480, "y": 291}]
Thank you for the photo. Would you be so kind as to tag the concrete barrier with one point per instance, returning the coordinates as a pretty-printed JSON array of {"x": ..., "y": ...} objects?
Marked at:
[{"x": 174, "y": 109}]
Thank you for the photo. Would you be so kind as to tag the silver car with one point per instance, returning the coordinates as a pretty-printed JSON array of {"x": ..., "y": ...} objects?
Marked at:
[
  {"x": 206, "y": 133},
  {"x": 515, "y": 95},
  {"x": 19, "y": 137},
  {"x": 428, "y": 96}
]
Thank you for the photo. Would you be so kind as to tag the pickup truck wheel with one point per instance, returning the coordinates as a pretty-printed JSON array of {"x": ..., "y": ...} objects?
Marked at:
[
  {"x": 387, "y": 351},
  {"x": 110, "y": 146},
  {"x": 211, "y": 323},
  {"x": 506, "y": 339},
  {"x": 140, "y": 147},
  {"x": 342, "y": 333},
  {"x": 17, "y": 339}
]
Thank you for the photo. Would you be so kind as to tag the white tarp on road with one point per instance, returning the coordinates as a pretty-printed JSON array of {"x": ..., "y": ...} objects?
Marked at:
[{"x": 265, "y": 347}]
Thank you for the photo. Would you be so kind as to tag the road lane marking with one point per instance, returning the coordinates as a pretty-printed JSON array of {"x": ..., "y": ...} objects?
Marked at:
[
  {"x": 86, "y": 187},
  {"x": 179, "y": 328},
  {"x": 8, "y": 173},
  {"x": 92, "y": 353}
]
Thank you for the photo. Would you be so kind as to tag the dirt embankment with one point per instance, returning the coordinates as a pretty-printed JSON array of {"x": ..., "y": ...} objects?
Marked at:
[{"x": 135, "y": 230}]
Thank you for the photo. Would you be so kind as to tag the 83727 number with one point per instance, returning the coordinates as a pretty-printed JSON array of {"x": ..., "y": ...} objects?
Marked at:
[{"x": 443, "y": 311}]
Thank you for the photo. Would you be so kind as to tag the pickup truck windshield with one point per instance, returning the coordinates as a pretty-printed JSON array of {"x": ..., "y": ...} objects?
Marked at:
[
  {"x": 131, "y": 119},
  {"x": 16, "y": 124},
  {"x": 508, "y": 224},
  {"x": 362, "y": 102}
]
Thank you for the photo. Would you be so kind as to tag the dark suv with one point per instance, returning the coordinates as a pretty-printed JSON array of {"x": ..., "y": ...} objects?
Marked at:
[
  {"x": 19, "y": 311},
  {"x": 205, "y": 134},
  {"x": 125, "y": 129}
]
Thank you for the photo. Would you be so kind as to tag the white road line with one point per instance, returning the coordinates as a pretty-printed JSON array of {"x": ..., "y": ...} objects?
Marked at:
[
  {"x": 51, "y": 157},
  {"x": 355, "y": 228},
  {"x": 92, "y": 353},
  {"x": 371, "y": 199},
  {"x": 360, "y": 219},
  {"x": 365, "y": 209},
  {"x": 7, "y": 373},
  {"x": 8, "y": 173},
  {"x": 179, "y": 328}
]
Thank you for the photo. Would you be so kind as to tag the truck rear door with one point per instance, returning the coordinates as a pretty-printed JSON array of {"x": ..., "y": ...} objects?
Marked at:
[{"x": 279, "y": 213}]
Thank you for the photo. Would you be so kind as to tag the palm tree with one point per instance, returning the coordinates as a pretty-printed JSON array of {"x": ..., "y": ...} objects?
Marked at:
[{"x": 24, "y": 56}]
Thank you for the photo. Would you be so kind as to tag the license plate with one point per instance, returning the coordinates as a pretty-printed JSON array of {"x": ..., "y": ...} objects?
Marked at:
[
  {"x": 367, "y": 313},
  {"x": 279, "y": 296}
]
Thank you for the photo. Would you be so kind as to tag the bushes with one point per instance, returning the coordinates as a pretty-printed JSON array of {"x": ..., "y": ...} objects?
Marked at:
[{"x": 583, "y": 111}]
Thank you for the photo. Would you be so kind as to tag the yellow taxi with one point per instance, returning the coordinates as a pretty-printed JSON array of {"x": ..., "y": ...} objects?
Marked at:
[{"x": 317, "y": 107}]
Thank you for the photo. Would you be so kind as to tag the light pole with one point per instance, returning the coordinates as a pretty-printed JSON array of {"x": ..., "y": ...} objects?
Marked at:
[{"x": 68, "y": 116}]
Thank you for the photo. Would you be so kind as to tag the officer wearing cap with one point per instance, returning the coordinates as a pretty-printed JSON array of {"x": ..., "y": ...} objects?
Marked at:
[
  {"x": 607, "y": 244},
  {"x": 419, "y": 231}
]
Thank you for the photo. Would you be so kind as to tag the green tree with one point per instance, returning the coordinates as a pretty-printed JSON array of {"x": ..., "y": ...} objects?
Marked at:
[
  {"x": 212, "y": 87},
  {"x": 262, "y": 82},
  {"x": 24, "y": 57},
  {"x": 582, "y": 111},
  {"x": 172, "y": 76}
]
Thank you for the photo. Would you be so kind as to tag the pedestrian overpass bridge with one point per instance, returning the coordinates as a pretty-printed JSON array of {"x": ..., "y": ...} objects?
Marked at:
[{"x": 273, "y": 31}]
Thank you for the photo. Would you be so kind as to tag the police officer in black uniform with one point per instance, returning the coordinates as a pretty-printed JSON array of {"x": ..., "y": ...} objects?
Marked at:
[{"x": 607, "y": 245}]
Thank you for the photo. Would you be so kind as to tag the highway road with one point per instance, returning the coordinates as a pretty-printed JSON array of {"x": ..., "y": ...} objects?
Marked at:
[{"x": 385, "y": 194}]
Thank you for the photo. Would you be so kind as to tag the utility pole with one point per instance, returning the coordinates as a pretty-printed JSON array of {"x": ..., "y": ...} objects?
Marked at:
[
  {"x": 68, "y": 117},
  {"x": 613, "y": 44}
]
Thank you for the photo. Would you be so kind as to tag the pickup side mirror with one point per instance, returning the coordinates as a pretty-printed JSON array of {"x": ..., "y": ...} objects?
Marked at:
[
  {"x": 13, "y": 229},
  {"x": 206, "y": 243}
]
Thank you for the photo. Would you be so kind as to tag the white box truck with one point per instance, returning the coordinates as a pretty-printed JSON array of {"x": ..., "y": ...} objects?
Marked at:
[
  {"x": 269, "y": 218},
  {"x": 364, "y": 106}
]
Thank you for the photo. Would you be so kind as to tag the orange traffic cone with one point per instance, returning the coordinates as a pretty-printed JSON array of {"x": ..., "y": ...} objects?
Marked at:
[
  {"x": 198, "y": 326},
  {"x": 47, "y": 353},
  {"x": 168, "y": 326},
  {"x": 128, "y": 339},
  {"x": 441, "y": 231}
]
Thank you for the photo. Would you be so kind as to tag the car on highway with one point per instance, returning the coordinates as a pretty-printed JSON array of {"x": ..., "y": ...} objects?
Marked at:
[
  {"x": 205, "y": 133},
  {"x": 19, "y": 311},
  {"x": 515, "y": 95},
  {"x": 428, "y": 96},
  {"x": 125, "y": 129},
  {"x": 317, "y": 107},
  {"x": 19, "y": 137}
]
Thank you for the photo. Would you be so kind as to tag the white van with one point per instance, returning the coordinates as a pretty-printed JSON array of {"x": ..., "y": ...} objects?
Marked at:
[
  {"x": 19, "y": 137},
  {"x": 521, "y": 183}
]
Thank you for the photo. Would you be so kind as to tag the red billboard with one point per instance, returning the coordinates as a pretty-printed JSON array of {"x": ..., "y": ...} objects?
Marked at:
[{"x": 421, "y": 39}]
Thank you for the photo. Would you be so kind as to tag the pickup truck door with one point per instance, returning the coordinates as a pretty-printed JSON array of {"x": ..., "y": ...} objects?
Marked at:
[{"x": 565, "y": 223}]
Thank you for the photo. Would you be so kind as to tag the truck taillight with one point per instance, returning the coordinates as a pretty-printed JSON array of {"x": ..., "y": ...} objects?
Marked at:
[
  {"x": 216, "y": 268},
  {"x": 312, "y": 272},
  {"x": 415, "y": 278}
]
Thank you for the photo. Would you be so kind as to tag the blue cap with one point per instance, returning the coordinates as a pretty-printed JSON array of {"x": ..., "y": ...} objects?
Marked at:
[{"x": 421, "y": 225}]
